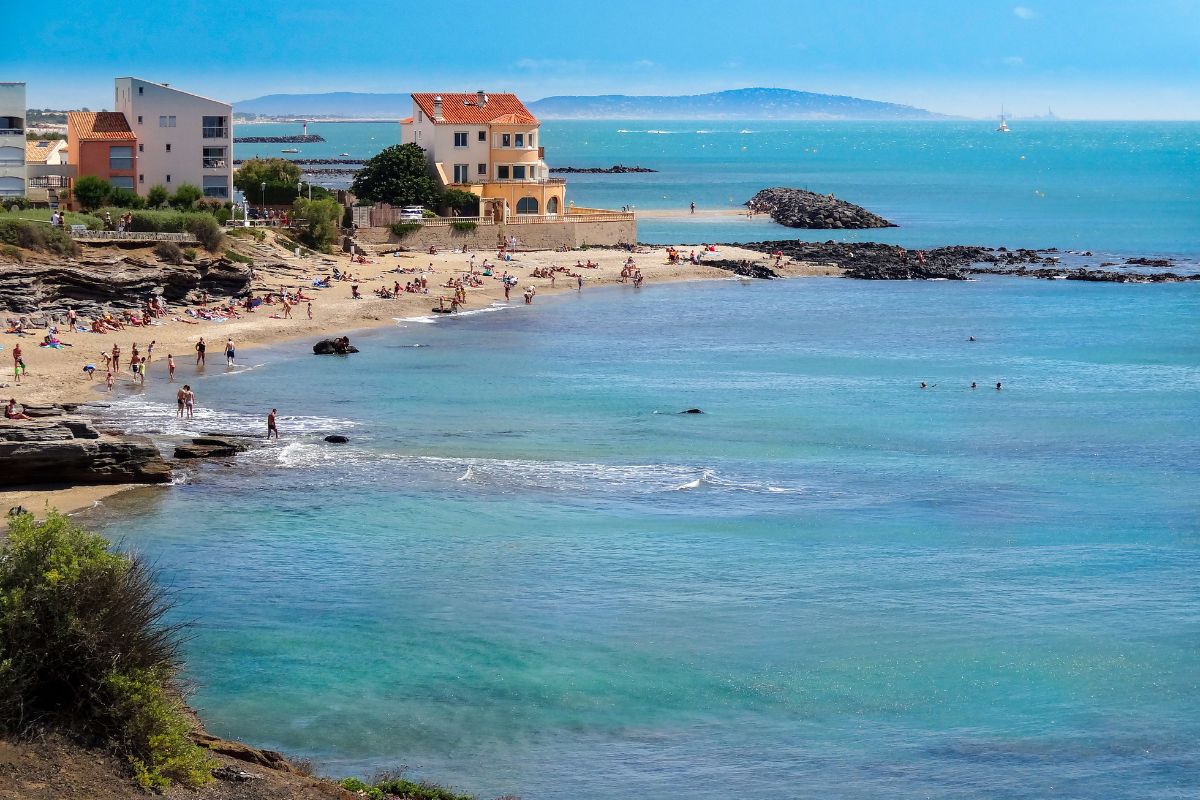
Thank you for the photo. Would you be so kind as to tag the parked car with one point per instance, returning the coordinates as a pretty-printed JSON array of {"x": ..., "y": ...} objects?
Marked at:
[{"x": 412, "y": 212}]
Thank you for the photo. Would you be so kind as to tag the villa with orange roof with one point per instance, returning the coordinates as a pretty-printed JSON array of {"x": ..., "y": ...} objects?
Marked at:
[
  {"x": 102, "y": 144},
  {"x": 487, "y": 145}
]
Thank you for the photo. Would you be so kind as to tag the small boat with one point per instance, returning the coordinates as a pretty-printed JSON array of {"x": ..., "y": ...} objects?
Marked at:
[
  {"x": 289, "y": 150},
  {"x": 1003, "y": 123},
  {"x": 343, "y": 154}
]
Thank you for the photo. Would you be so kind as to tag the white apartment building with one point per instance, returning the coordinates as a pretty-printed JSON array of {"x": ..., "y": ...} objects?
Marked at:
[
  {"x": 182, "y": 137},
  {"x": 12, "y": 139}
]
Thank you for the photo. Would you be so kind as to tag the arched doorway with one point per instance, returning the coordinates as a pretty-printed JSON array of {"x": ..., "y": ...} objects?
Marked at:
[
  {"x": 527, "y": 205},
  {"x": 552, "y": 205}
]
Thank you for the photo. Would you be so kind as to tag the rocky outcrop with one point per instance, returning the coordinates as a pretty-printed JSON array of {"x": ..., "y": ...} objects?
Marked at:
[
  {"x": 1092, "y": 275},
  {"x": 800, "y": 208},
  {"x": 69, "y": 450},
  {"x": 744, "y": 268},
  {"x": 210, "y": 447},
  {"x": 334, "y": 347},
  {"x": 615, "y": 169},
  {"x": 305, "y": 139},
  {"x": 88, "y": 285}
]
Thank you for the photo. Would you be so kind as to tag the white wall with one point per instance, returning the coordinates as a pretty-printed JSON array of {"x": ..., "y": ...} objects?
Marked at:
[
  {"x": 12, "y": 141},
  {"x": 145, "y": 104}
]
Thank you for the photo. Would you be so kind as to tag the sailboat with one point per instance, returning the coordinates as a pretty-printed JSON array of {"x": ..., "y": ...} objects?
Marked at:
[{"x": 1003, "y": 123}]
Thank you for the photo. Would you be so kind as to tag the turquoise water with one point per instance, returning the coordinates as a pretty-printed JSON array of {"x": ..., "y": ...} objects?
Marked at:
[
  {"x": 527, "y": 574},
  {"x": 1112, "y": 187}
]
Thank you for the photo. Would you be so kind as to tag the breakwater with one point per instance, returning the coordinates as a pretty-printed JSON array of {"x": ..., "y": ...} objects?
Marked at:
[{"x": 308, "y": 139}]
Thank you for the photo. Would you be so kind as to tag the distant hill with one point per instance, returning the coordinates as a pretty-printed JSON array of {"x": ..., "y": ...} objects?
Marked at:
[
  {"x": 730, "y": 104},
  {"x": 329, "y": 104}
]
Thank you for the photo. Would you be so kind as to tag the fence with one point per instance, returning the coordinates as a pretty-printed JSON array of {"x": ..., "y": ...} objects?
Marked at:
[{"x": 131, "y": 236}]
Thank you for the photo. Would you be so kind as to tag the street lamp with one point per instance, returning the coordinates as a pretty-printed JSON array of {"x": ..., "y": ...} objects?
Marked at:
[{"x": 264, "y": 195}]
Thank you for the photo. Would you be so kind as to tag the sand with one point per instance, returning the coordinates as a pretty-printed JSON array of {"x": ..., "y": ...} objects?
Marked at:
[{"x": 56, "y": 375}]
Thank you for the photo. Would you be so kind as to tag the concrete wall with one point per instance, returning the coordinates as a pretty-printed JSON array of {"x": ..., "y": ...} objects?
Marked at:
[
  {"x": 12, "y": 140},
  {"x": 143, "y": 104},
  {"x": 538, "y": 236}
]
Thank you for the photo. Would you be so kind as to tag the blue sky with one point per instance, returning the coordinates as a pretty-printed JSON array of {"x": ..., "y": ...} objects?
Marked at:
[{"x": 1100, "y": 59}]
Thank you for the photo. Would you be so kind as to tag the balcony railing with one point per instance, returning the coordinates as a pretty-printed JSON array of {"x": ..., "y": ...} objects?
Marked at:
[
  {"x": 12, "y": 131},
  {"x": 527, "y": 181},
  {"x": 215, "y": 133},
  {"x": 214, "y": 163}
]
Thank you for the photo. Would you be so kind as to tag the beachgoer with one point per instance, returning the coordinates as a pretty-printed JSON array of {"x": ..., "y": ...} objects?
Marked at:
[
  {"x": 579, "y": 279},
  {"x": 108, "y": 380},
  {"x": 89, "y": 369},
  {"x": 189, "y": 400},
  {"x": 998, "y": 386},
  {"x": 310, "y": 310},
  {"x": 924, "y": 385},
  {"x": 150, "y": 350},
  {"x": 271, "y": 429},
  {"x": 200, "y": 348},
  {"x": 974, "y": 385},
  {"x": 693, "y": 207},
  {"x": 229, "y": 352},
  {"x": 171, "y": 367},
  {"x": 13, "y": 411},
  {"x": 180, "y": 399}
]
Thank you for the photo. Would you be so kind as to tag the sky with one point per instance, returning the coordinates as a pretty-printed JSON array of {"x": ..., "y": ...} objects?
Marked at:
[{"x": 1085, "y": 59}]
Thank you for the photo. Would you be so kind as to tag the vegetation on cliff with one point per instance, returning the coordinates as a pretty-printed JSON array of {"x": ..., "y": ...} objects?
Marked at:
[{"x": 85, "y": 647}]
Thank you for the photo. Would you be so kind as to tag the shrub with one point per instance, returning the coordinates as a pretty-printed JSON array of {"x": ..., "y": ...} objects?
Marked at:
[
  {"x": 92, "y": 192},
  {"x": 256, "y": 234},
  {"x": 209, "y": 205},
  {"x": 402, "y": 229},
  {"x": 398, "y": 787},
  {"x": 463, "y": 225},
  {"x": 321, "y": 219},
  {"x": 125, "y": 198},
  {"x": 186, "y": 196},
  {"x": 11, "y": 251},
  {"x": 37, "y": 236},
  {"x": 464, "y": 202},
  {"x": 189, "y": 254},
  {"x": 168, "y": 252},
  {"x": 84, "y": 645},
  {"x": 205, "y": 228},
  {"x": 234, "y": 255},
  {"x": 157, "y": 196}
]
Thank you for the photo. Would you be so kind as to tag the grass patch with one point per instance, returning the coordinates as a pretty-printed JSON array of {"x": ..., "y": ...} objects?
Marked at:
[
  {"x": 402, "y": 229},
  {"x": 43, "y": 215},
  {"x": 234, "y": 255},
  {"x": 256, "y": 234},
  {"x": 37, "y": 236},
  {"x": 85, "y": 647},
  {"x": 398, "y": 788},
  {"x": 12, "y": 251}
]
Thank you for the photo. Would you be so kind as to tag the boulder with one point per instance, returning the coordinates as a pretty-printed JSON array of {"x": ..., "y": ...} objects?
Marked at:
[
  {"x": 336, "y": 439},
  {"x": 69, "y": 450},
  {"x": 210, "y": 447},
  {"x": 334, "y": 347}
]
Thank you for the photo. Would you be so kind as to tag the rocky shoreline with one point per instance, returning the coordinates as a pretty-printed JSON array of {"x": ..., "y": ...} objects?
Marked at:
[
  {"x": 615, "y": 169},
  {"x": 306, "y": 139},
  {"x": 800, "y": 208}
]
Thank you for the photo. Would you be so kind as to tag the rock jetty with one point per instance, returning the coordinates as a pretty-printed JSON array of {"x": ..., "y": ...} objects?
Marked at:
[
  {"x": 308, "y": 139},
  {"x": 334, "y": 347},
  {"x": 615, "y": 169},
  {"x": 70, "y": 450},
  {"x": 237, "y": 162},
  {"x": 800, "y": 208},
  {"x": 87, "y": 285}
]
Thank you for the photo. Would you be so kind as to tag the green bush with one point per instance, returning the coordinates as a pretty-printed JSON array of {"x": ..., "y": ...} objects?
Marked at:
[
  {"x": 17, "y": 203},
  {"x": 321, "y": 219},
  {"x": 234, "y": 255},
  {"x": 168, "y": 252},
  {"x": 205, "y": 228},
  {"x": 402, "y": 229},
  {"x": 37, "y": 236},
  {"x": 92, "y": 192},
  {"x": 186, "y": 196},
  {"x": 84, "y": 645},
  {"x": 462, "y": 201},
  {"x": 464, "y": 225},
  {"x": 11, "y": 251},
  {"x": 401, "y": 788},
  {"x": 157, "y": 196},
  {"x": 189, "y": 254},
  {"x": 125, "y": 198}
]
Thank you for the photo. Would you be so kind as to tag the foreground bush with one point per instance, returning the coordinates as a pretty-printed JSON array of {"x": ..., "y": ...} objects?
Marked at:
[
  {"x": 84, "y": 646},
  {"x": 37, "y": 236},
  {"x": 402, "y": 789},
  {"x": 168, "y": 252}
]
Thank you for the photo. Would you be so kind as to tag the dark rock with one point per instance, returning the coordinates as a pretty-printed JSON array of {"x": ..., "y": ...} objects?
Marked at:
[
  {"x": 692, "y": 411},
  {"x": 222, "y": 441},
  {"x": 191, "y": 451},
  {"x": 69, "y": 450},
  {"x": 616, "y": 169},
  {"x": 336, "y": 438},
  {"x": 800, "y": 208},
  {"x": 1149, "y": 262},
  {"x": 745, "y": 268},
  {"x": 228, "y": 773},
  {"x": 329, "y": 347},
  {"x": 304, "y": 139}
]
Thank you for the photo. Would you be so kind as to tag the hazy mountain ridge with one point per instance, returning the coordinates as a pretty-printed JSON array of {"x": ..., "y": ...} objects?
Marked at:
[{"x": 755, "y": 103}]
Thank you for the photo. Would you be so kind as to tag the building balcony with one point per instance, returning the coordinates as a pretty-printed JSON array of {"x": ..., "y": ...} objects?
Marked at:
[
  {"x": 12, "y": 131},
  {"x": 214, "y": 163},
  {"x": 215, "y": 133}
]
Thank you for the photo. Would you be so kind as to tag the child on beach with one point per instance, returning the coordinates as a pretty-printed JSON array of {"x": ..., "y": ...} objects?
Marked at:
[
  {"x": 171, "y": 367},
  {"x": 108, "y": 380},
  {"x": 310, "y": 310}
]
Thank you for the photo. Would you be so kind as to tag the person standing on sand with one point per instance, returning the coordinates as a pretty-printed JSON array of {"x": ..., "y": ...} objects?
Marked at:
[
  {"x": 229, "y": 351},
  {"x": 507, "y": 289},
  {"x": 108, "y": 380},
  {"x": 170, "y": 368},
  {"x": 579, "y": 279},
  {"x": 271, "y": 429},
  {"x": 287, "y": 308},
  {"x": 200, "y": 348},
  {"x": 310, "y": 310},
  {"x": 150, "y": 350},
  {"x": 693, "y": 206},
  {"x": 180, "y": 397}
]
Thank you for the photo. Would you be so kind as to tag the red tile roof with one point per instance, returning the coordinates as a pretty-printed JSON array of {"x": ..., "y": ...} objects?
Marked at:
[
  {"x": 464, "y": 109},
  {"x": 38, "y": 152},
  {"x": 406, "y": 121},
  {"x": 100, "y": 125}
]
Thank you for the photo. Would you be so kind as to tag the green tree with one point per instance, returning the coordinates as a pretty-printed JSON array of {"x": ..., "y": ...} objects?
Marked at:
[
  {"x": 321, "y": 218},
  {"x": 398, "y": 175},
  {"x": 272, "y": 171},
  {"x": 92, "y": 192},
  {"x": 464, "y": 202},
  {"x": 125, "y": 198},
  {"x": 158, "y": 196},
  {"x": 186, "y": 196}
]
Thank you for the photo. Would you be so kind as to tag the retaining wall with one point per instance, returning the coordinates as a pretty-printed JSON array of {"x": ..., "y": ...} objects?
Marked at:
[{"x": 537, "y": 236}]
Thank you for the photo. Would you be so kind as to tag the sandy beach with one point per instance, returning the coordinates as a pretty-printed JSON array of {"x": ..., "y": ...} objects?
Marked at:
[{"x": 57, "y": 376}]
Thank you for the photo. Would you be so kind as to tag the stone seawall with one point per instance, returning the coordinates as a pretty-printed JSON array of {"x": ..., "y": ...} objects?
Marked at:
[{"x": 530, "y": 236}]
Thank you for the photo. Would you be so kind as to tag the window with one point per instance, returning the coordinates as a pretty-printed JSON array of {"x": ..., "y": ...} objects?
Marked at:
[
  {"x": 460, "y": 138},
  {"x": 166, "y": 122},
  {"x": 520, "y": 140},
  {"x": 518, "y": 172},
  {"x": 483, "y": 136},
  {"x": 141, "y": 90},
  {"x": 506, "y": 140},
  {"x": 139, "y": 119},
  {"x": 120, "y": 158},
  {"x": 214, "y": 127},
  {"x": 481, "y": 169},
  {"x": 527, "y": 205},
  {"x": 418, "y": 134},
  {"x": 168, "y": 147},
  {"x": 141, "y": 147},
  {"x": 168, "y": 177},
  {"x": 461, "y": 173},
  {"x": 214, "y": 158},
  {"x": 121, "y": 182},
  {"x": 216, "y": 186},
  {"x": 141, "y": 178},
  {"x": 552, "y": 205},
  {"x": 502, "y": 172}
]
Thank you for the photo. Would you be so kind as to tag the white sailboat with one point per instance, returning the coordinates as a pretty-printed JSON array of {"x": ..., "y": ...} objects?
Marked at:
[{"x": 1003, "y": 122}]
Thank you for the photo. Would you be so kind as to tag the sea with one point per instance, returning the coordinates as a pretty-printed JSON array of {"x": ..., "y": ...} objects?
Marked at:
[{"x": 527, "y": 573}]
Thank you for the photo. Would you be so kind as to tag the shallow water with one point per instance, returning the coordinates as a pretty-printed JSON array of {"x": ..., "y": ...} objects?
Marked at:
[{"x": 528, "y": 574}]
